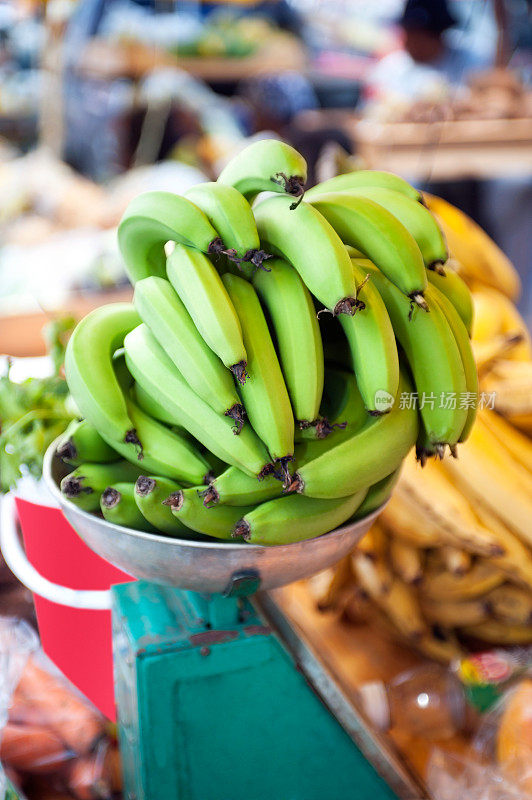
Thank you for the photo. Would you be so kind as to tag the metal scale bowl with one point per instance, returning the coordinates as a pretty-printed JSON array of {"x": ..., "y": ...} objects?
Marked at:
[
  {"x": 241, "y": 706},
  {"x": 201, "y": 566}
]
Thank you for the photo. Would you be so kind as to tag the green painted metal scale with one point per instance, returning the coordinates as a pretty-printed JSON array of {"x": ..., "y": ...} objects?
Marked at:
[{"x": 218, "y": 697}]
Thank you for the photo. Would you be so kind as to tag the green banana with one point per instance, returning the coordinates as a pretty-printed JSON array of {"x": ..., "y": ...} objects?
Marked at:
[
  {"x": 292, "y": 519},
  {"x": 266, "y": 166},
  {"x": 85, "y": 484},
  {"x": 150, "y": 492},
  {"x": 90, "y": 374},
  {"x": 118, "y": 506},
  {"x": 344, "y": 406},
  {"x": 230, "y": 214},
  {"x": 468, "y": 359},
  {"x": 218, "y": 522},
  {"x": 377, "y": 495},
  {"x": 297, "y": 332},
  {"x": 264, "y": 393},
  {"x": 372, "y": 344},
  {"x": 234, "y": 488},
  {"x": 202, "y": 292},
  {"x": 365, "y": 178},
  {"x": 165, "y": 452},
  {"x": 369, "y": 455},
  {"x": 153, "y": 370},
  {"x": 415, "y": 217},
  {"x": 305, "y": 239},
  {"x": 154, "y": 218},
  {"x": 151, "y": 406},
  {"x": 456, "y": 290},
  {"x": 433, "y": 357},
  {"x": 368, "y": 226},
  {"x": 169, "y": 321},
  {"x": 81, "y": 442}
]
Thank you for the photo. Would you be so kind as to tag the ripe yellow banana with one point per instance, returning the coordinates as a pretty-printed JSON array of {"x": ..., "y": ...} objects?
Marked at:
[
  {"x": 406, "y": 561},
  {"x": 519, "y": 446},
  {"x": 493, "y": 630},
  {"x": 455, "y": 614},
  {"x": 480, "y": 579},
  {"x": 511, "y": 604}
]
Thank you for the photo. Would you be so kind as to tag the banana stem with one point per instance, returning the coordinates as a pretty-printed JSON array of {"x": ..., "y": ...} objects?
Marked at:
[
  {"x": 239, "y": 371},
  {"x": 210, "y": 496},
  {"x": 111, "y": 497},
  {"x": 242, "y": 530},
  {"x": 237, "y": 413}
]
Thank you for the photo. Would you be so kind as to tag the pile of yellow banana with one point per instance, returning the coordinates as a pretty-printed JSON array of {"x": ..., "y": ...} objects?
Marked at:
[{"x": 450, "y": 558}]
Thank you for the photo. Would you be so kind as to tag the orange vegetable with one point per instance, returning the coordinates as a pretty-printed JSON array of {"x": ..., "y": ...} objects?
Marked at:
[
  {"x": 47, "y": 698},
  {"x": 514, "y": 737}
]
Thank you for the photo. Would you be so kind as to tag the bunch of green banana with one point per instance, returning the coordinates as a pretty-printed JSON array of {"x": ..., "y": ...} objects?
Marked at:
[{"x": 224, "y": 339}]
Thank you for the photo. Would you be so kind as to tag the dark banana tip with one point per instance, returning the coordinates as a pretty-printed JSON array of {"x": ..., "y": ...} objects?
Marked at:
[
  {"x": 67, "y": 450},
  {"x": 347, "y": 305},
  {"x": 257, "y": 258},
  {"x": 437, "y": 266},
  {"x": 281, "y": 471},
  {"x": 422, "y": 455},
  {"x": 111, "y": 497},
  {"x": 454, "y": 450},
  {"x": 132, "y": 438},
  {"x": 419, "y": 300},
  {"x": 242, "y": 530},
  {"x": 174, "y": 501},
  {"x": 210, "y": 496},
  {"x": 375, "y": 412},
  {"x": 73, "y": 487},
  {"x": 292, "y": 184},
  {"x": 237, "y": 413},
  {"x": 296, "y": 485},
  {"x": 240, "y": 371},
  {"x": 268, "y": 469},
  {"x": 145, "y": 485},
  {"x": 216, "y": 247}
]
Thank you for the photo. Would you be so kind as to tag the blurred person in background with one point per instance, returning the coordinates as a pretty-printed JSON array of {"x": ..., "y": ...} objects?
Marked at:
[{"x": 429, "y": 63}]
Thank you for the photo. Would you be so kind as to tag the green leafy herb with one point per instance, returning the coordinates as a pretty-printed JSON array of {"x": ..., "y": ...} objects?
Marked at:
[{"x": 33, "y": 413}]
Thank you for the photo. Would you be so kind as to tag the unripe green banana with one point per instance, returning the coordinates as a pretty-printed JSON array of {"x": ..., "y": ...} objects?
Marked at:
[
  {"x": 166, "y": 452},
  {"x": 468, "y": 359},
  {"x": 342, "y": 410},
  {"x": 415, "y": 217},
  {"x": 218, "y": 522},
  {"x": 90, "y": 374},
  {"x": 369, "y": 227},
  {"x": 202, "y": 292},
  {"x": 150, "y": 492},
  {"x": 169, "y": 321},
  {"x": 369, "y": 455},
  {"x": 160, "y": 379},
  {"x": 118, "y": 506},
  {"x": 297, "y": 332},
  {"x": 456, "y": 290},
  {"x": 81, "y": 442},
  {"x": 85, "y": 484},
  {"x": 234, "y": 488},
  {"x": 305, "y": 239},
  {"x": 372, "y": 344},
  {"x": 266, "y": 166},
  {"x": 150, "y": 221},
  {"x": 365, "y": 178},
  {"x": 432, "y": 353},
  {"x": 152, "y": 407},
  {"x": 377, "y": 495},
  {"x": 264, "y": 393},
  {"x": 230, "y": 214},
  {"x": 293, "y": 519}
]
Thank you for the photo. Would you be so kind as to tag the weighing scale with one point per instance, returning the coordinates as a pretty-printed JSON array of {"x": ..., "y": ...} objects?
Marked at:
[{"x": 218, "y": 697}]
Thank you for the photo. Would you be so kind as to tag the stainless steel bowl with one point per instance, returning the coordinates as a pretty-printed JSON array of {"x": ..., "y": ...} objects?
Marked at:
[{"x": 202, "y": 566}]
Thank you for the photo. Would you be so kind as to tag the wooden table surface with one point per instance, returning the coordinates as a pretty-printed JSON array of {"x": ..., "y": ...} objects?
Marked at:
[{"x": 355, "y": 654}]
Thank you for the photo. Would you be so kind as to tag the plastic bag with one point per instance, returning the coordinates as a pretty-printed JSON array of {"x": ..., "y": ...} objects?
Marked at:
[
  {"x": 48, "y": 730},
  {"x": 498, "y": 765}
]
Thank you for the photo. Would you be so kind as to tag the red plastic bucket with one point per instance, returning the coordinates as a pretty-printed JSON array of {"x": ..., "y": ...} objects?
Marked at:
[{"x": 77, "y": 639}]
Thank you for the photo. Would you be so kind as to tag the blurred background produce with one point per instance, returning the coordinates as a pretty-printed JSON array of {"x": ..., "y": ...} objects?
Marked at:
[{"x": 100, "y": 100}]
